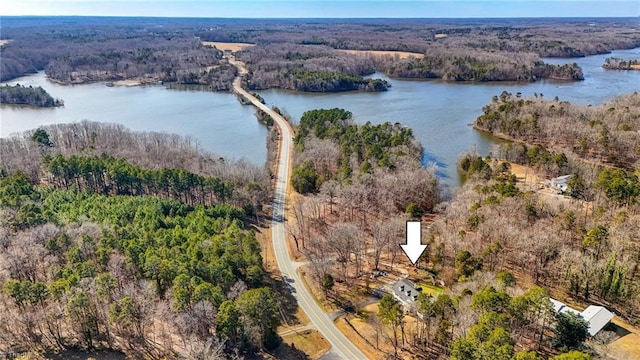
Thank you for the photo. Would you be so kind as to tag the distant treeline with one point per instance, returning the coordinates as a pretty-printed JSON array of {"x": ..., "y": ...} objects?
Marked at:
[
  {"x": 472, "y": 65},
  {"x": 82, "y": 51},
  {"x": 308, "y": 68},
  {"x": 22, "y": 95},
  {"x": 540, "y": 36},
  {"x": 614, "y": 63},
  {"x": 89, "y": 49}
]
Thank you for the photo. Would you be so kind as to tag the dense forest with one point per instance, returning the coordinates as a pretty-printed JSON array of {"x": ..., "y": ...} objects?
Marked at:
[
  {"x": 80, "y": 51},
  {"x": 585, "y": 248},
  {"x": 614, "y": 63},
  {"x": 579, "y": 37},
  {"x": 22, "y": 95},
  {"x": 459, "y": 50},
  {"x": 307, "y": 68},
  {"x": 603, "y": 133},
  {"x": 359, "y": 180},
  {"x": 362, "y": 182},
  {"x": 476, "y": 65},
  {"x": 98, "y": 252},
  {"x": 301, "y": 55}
]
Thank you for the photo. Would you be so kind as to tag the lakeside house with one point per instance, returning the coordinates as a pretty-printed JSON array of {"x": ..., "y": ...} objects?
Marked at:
[
  {"x": 406, "y": 292},
  {"x": 560, "y": 183},
  {"x": 596, "y": 316}
]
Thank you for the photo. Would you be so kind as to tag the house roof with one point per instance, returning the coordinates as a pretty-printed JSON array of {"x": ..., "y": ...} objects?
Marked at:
[
  {"x": 561, "y": 179},
  {"x": 559, "y": 306},
  {"x": 401, "y": 289},
  {"x": 598, "y": 317}
]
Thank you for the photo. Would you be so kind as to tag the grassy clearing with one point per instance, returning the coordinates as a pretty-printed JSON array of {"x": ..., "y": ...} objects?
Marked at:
[
  {"x": 311, "y": 342},
  {"x": 401, "y": 54},
  {"x": 440, "y": 36},
  {"x": 233, "y": 47},
  {"x": 626, "y": 347},
  {"x": 431, "y": 290}
]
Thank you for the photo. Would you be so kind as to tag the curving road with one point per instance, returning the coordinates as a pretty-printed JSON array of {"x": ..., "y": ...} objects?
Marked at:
[{"x": 340, "y": 343}]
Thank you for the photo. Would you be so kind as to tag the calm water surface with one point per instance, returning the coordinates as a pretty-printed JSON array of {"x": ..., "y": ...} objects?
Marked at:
[
  {"x": 217, "y": 120},
  {"x": 438, "y": 112}
]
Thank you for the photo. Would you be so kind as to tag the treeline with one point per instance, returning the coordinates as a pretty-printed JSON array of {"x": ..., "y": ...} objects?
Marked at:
[
  {"x": 318, "y": 81},
  {"x": 136, "y": 151},
  {"x": 150, "y": 277},
  {"x": 308, "y": 68},
  {"x": 606, "y": 133},
  {"x": 22, "y": 95},
  {"x": 540, "y": 36},
  {"x": 106, "y": 50},
  {"x": 362, "y": 148},
  {"x": 460, "y": 64},
  {"x": 613, "y": 63},
  {"x": 115, "y": 176}
]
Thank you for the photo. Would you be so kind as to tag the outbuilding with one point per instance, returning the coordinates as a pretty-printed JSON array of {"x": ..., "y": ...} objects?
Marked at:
[{"x": 597, "y": 317}]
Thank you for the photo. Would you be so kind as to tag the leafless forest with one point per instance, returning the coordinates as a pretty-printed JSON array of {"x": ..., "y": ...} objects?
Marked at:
[{"x": 301, "y": 55}]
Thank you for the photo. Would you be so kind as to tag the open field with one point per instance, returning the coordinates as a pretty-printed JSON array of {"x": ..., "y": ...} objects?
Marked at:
[
  {"x": 401, "y": 54},
  {"x": 3, "y": 42},
  {"x": 311, "y": 342},
  {"x": 626, "y": 347},
  {"x": 233, "y": 47},
  {"x": 636, "y": 67}
]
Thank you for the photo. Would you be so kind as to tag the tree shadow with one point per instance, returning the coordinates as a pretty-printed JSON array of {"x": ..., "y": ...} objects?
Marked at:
[{"x": 287, "y": 351}]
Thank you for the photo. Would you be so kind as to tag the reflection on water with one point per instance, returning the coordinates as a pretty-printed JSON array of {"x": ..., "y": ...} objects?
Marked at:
[
  {"x": 217, "y": 120},
  {"x": 439, "y": 113}
]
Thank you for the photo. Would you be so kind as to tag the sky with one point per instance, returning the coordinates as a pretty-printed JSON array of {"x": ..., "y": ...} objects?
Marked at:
[{"x": 319, "y": 8}]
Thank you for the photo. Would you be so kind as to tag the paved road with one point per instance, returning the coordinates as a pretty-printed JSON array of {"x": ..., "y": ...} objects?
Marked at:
[{"x": 341, "y": 345}]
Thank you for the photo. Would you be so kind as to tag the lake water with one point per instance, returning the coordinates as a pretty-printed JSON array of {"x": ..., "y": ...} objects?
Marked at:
[
  {"x": 439, "y": 113},
  {"x": 217, "y": 120}
]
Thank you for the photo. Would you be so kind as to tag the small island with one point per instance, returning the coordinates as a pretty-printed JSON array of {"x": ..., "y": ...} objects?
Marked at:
[
  {"x": 23, "y": 95},
  {"x": 614, "y": 63}
]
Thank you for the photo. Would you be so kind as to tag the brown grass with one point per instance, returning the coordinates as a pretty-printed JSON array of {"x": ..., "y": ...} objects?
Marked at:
[
  {"x": 357, "y": 340},
  {"x": 400, "y": 54},
  {"x": 367, "y": 331},
  {"x": 311, "y": 342},
  {"x": 440, "y": 36},
  {"x": 635, "y": 66},
  {"x": 626, "y": 347},
  {"x": 233, "y": 47},
  {"x": 263, "y": 235}
]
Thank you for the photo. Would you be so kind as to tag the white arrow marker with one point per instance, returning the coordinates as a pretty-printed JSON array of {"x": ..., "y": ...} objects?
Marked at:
[{"x": 413, "y": 248}]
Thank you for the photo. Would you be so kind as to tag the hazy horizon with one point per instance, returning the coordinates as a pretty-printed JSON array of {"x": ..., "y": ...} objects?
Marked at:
[{"x": 275, "y": 9}]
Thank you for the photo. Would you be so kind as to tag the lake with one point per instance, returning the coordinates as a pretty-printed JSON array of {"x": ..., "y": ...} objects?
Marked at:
[
  {"x": 217, "y": 120},
  {"x": 439, "y": 113}
]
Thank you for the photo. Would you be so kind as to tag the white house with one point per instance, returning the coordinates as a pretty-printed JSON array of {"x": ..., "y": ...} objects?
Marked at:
[
  {"x": 597, "y": 317},
  {"x": 560, "y": 183},
  {"x": 406, "y": 292}
]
